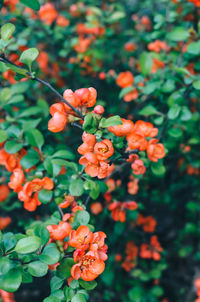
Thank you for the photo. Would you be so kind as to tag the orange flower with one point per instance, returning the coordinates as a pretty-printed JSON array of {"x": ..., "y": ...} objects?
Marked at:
[
  {"x": 157, "y": 64},
  {"x": 69, "y": 200},
  {"x": 155, "y": 151},
  {"x": 4, "y": 222},
  {"x": 43, "y": 60},
  {"x": 89, "y": 268},
  {"x": 157, "y": 46},
  {"x": 148, "y": 223},
  {"x": 83, "y": 97},
  {"x": 62, "y": 21},
  {"x": 60, "y": 231},
  {"x": 16, "y": 180},
  {"x": 82, "y": 45},
  {"x": 11, "y": 3},
  {"x": 11, "y": 161},
  {"x": 122, "y": 130},
  {"x": 29, "y": 193},
  {"x": 6, "y": 296},
  {"x": 89, "y": 140},
  {"x": 133, "y": 186},
  {"x": 129, "y": 46},
  {"x": 96, "y": 208},
  {"x": 131, "y": 255},
  {"x": 47, "y": 13},
  {"x": 98, "y": 247},
  {"x": 125, "y": 79},
  {"x": 138, "y": 167},
  {"x": 118, "y": 209},
  {"x": 4, "y": 192},
  {"x": 132, "y": 95},
  {"x": 145, "y": 129},
  {"x": 137, "y": 141},
  {"x": 59, "y": 117},
  {"x": 81, "y": 238},
  {"x": 195, "y": 2},
  {"x": 151, "y": 251},
  {"x": 104, "y": 149}
]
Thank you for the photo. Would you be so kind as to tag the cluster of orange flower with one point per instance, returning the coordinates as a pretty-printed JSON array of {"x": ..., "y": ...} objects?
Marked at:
[
  {"x": 117, "y": 209},
  {"x": 95, "y": 156},
  {"x": 28, "y": 193},
  {"x": 81, "y": 99},
  {"x": 195, "y": 2},
  {"x": 7, "y": 297},
  {"x": 197, "y": 285},
  {"x": 90, "y": 249},
  {"x": 147, "y": 251}
]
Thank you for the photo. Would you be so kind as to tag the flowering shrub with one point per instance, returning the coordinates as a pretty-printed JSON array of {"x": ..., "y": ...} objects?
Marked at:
[{"x": 99, "y": 151}]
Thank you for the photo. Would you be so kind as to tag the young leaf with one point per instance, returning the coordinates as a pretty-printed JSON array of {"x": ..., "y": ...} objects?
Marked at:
[
  {"x": 34, "y": 4},
  {"x": 146, "y": 63},
  {"x": 7, "y": 30},
  {"x": 28, "y": 245},
  {"x": 28, "y": 56}
]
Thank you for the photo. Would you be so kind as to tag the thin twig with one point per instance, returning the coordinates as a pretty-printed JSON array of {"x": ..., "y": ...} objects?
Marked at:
[{"x": 5, "y": 60}]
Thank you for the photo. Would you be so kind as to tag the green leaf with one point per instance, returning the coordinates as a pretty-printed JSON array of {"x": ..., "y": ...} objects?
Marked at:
[
  {"x": 34, "y": 110},
  {"x": 16, "y": 69},
  {"x": 11, "y": 281},
  {"x": 125, "y": 90},
  {"x": 69, "y": 293},
  {"x": 81, "y": 218},
  {"x": 111, "y": 121},
  {"x": 7, "y": 30},
  {"x": 196, "y": 85},
  {"x": 90, "y": 123},
  {"x": 178, "y": 34},
  {"x": 194, "y": 48},
  {"x": 64, "y": 269},
  {"x": 29, "y": 55},
  {"x": 45, "y": 196},
  {"x": 148, "y": 110},
  {"x": 28, "y": 245},
  {"x": 35, "y": 138},
  {"x": 116, "y": 16},
  {"x": 88, "y": 285},
  {"x": 79, "y": 298},
  {"x": 50, "y": 254},
  {"x": 186, "y": 115},
  {"x": 74, "y": 284},
  {"x": 37, "y": 268},
  {"x": 30, "y": 159},
  {"x": 146, "y": 63},
  {"x": 175, "y": 132},
  {"x": 66, "y": 154},
  {"x": 76, "y": 187},
  {"x": 12, "y": 147},
  {"x": 42, "y": 232},
  {"x": 158, "y": 169},
  {"x": 34, "y": 4},
  {"x": 174, "y": 112},
  {"x": 51, "y": 299},
  {"x": 3, "y": 136},
  {"x": 4, "y": 265},
  {"x": 56, "y": 283}
]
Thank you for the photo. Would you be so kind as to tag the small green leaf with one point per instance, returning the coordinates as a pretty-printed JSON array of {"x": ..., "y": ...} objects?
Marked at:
[
  {"x": 50, "y": 254},
  {"x": 35, "y": 138},
  {"x": 34, "y": 4},
  {"x": 148, "y": 110},
  {"x": 194, "y": 48},
  {"x": 30, "y": 159},
  {"x": 4, "y": 265},
  {"x": 81, "y": 218},
  {"x": 51, "y": 299},
  {"x": 146, "y": 63},
  {"x": 11, "y": 281},
  {"x": 178, "y": 34},
  {"x": 174, "y": 112},
  {"x": 3, "y": 136},
  {"x": 88, "y": 285},
  {"x": 28, "y": 56},
  {"x": 90, "y": 123},
  {"x": 7, "y": 30},
  {"x": 196, "y": 85},
  {"x": 66, "y": 154},
  {"x": 28, "y": 245},
  {"x": 111, "y": 121},
  {"x": 12, "y": 147},
  {"x": 79, "y": 298},
  {"x": 37, "y": 268},
  {"x": 45, "y": 196},
  {"x": 76, "y": 187}
]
